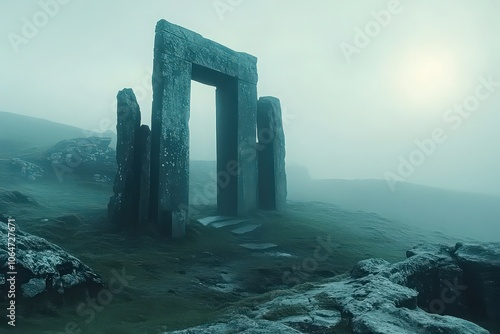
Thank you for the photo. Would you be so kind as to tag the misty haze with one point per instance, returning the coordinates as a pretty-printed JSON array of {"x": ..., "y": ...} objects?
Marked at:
[{"x": 232, "y": 166}]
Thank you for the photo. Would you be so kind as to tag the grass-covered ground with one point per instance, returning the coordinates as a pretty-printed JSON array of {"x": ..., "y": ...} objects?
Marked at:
[
  {"x": 185, "y": 283},
  {"x": 195, "y": 280}
]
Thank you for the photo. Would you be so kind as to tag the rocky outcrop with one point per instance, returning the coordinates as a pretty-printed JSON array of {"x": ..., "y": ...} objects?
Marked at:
[
  {"x": 27, "y": 169},
  {"x": 242, "y": 325},
  {"x": 84, "y": 157},
  {"x": 438, "y": 289},
  {"x": 481, "y": 269},
  {"x": 43, "y": 269}
]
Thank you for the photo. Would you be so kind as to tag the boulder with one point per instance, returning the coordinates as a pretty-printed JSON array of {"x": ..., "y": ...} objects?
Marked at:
[
  {"x": 27, "y": 169},
  {"x": 481, "y": 270},
  {"x": 83, "y": 157},
  {"x": 43, "y": 269}
]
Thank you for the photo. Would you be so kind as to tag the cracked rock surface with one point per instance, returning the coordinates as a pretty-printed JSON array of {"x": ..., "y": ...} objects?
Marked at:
[
  {"x": 42, "y": 267},
  {"x": 429, "y": 292}
]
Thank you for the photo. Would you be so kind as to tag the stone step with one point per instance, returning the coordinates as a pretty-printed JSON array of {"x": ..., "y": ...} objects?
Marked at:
[
  {"x": 212, "y": 219},
  {"x": 246, "y": 229},
  {"x": 226, "y": 223},
  {"x": 258, "y": 246}
]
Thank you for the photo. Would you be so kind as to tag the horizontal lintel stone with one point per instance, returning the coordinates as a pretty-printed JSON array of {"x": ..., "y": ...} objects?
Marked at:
[{"x": 179, "y": 42}]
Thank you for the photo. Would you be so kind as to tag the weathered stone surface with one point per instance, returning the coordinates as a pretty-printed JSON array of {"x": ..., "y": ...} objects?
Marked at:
[
  {"x": 243, "y": 325},
  {"x": 247, "y": 156},
  {"x": 144, "y": 145},
  {"x": 123, "y": 207},
  {"x": 27, "y": 169},
  {"x": 272, "y": 174},
  {"x": 181, "y": 56},
  {"x": 82, "y": 157},
  {"x": 383, "y": 298},
  {"x": 367, "y": 267},
  {"x": 182, "y": 43},
  {"x": 228, "y": 173},
  {"x": 170, "y": 145},
  {"x": 461, "y": 281},
  {"x": 43, "y": 268},
  {"x": 481, "y": 269}
]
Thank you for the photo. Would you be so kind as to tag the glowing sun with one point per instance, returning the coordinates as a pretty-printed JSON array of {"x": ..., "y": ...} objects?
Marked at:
[{"x": 426, "y": 76}]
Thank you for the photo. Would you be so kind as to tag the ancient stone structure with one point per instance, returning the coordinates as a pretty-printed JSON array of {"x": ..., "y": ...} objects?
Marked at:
[
  {"x": 182, "y": 56},
  {"x": 123, "y": 207},
  {"x": 152, "y": 182},
  {"x": 272, "y": 174}
]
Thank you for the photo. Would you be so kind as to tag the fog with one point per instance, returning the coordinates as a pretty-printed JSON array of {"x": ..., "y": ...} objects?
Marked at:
[{"x": 405, "y": 91}]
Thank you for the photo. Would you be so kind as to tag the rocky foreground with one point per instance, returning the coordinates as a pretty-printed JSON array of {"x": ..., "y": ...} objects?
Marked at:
[
  {"x": 43, "y": 269},
  {"x": 438, "y": 289}
]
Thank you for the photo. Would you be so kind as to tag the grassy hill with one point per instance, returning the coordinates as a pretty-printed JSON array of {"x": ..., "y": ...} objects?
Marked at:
[
  {"x": 455, "y": 213},
  {"x": 21, "y": 134}
]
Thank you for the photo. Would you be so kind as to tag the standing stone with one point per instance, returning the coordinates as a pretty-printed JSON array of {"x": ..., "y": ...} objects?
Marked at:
[
  {"x": 271, "y": 146},
  {"x": 145, "y": 158},
  {"x": 124, "y": 204},
  {"x": 170, "y": 146}
]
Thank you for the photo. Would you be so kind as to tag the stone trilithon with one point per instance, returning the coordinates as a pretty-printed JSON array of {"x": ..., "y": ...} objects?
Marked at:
[{"x": 152, "y": 182}]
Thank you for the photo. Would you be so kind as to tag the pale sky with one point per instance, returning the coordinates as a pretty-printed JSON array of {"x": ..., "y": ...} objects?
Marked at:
[{"x": 354, "y": 104}]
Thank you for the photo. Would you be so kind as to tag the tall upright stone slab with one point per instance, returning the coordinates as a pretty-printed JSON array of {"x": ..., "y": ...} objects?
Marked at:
[
  {"x": 180, "y": 56},
  {"x": 123, "y": 205},
  {"x": 272, "y": 174},
  {"x": 144, "y": 144}
]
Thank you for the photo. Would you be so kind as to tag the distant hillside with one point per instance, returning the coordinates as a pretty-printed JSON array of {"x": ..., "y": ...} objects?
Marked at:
[
  {"x": 19, "y": 133},
  {"x": 454, "y": 213}
]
